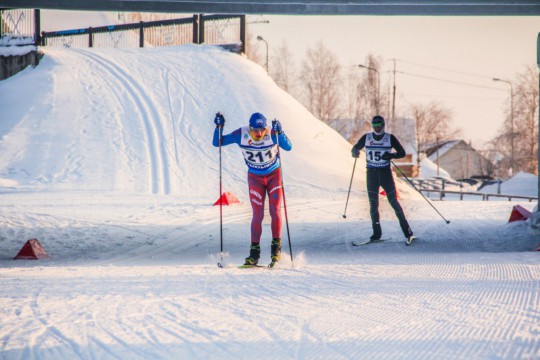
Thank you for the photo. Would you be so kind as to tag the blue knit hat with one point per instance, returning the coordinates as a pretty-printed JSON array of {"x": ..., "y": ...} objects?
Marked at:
[{"x": 257, "y": 120}]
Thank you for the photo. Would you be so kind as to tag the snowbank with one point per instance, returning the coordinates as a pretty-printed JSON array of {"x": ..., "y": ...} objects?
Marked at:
[
  {"x": 522, "y": 184},
  {"x": 428, "y": 169}
]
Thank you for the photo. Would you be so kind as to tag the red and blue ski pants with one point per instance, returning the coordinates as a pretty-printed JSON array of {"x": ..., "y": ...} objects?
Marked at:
[{"x": 259, "y": 186}]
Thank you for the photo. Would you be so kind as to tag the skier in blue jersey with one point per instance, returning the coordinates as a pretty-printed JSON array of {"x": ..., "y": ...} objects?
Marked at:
[
  {"x": 378, "y": 145},
  {"x": 258, "y": 143}
]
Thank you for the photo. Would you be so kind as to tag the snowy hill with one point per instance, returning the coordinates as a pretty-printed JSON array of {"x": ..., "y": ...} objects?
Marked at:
[
  {"x": 141, "y": 121},
  {"x": 107, "y": 160}
]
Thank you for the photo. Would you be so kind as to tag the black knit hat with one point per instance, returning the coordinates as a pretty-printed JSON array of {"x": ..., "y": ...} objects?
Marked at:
[{"x": 377, "y": 120}]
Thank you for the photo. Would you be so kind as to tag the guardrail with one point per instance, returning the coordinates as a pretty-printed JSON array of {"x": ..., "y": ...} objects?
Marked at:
[{"x": 485, "y": 197}]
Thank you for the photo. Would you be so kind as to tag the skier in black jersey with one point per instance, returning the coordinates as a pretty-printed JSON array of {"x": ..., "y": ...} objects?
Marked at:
[{"x": 379, "y": 145}]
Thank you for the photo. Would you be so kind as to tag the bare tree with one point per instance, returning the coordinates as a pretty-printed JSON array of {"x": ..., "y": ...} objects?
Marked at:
[
  {"x": 364, "y": 97},
  {"x": 283, "y": 69},
  {"x": 373, "y": 97},
  {"x": 320, "y": 79},
  {"x": 525, "y": 134},
  {"x": 432, "y": 125},
  {"x": 355, "y": 121},
  {"x": 526, "y": 120},
  {"x": 252, "y": 50}
]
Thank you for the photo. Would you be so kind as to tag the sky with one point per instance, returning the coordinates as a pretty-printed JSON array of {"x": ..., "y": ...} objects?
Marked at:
[
  {"x": 448, "y": 59},
  {"x": 451, "y": 60},
  {"x": 109, "y": 163}
]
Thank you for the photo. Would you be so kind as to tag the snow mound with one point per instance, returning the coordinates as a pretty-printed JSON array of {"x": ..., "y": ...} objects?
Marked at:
[
  {"x": 522, "y": 184},
  {"x": 141, "y": 121}
]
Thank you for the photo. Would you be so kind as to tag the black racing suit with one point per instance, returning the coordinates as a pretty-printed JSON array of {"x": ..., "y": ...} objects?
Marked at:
[{"x": 382, "y": 176}]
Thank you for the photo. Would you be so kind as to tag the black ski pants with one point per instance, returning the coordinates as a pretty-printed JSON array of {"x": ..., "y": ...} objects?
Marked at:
[{"x": 382, "y": 177}]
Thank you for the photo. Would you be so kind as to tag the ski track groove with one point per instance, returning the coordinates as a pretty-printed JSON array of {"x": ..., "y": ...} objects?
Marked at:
[
  {"x": 50, "y": 329},
  {"x": 156, "y": 141}
]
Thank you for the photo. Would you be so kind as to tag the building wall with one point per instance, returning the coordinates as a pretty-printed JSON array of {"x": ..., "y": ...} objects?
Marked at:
[{"x": 462, "y": 161}]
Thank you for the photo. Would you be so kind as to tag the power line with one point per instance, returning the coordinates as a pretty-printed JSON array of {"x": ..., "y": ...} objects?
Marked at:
[
  {"x": 447, "y": 70},
  {"x": 449, "y": 81},
  {"x": 451, "y": 97}
]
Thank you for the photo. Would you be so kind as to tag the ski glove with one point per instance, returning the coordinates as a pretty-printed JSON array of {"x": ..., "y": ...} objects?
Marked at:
[
  {"x": 276, "y": 126},
  {"x": 387, "y": 156},
  {"x": 219, "y": 120},
  {"x": 355, "y": 152}
]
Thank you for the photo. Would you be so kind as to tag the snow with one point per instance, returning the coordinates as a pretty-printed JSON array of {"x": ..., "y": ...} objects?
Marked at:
[
  {"x": 522, "y": 184},
  {"x": 107, "y": 161},
  {"x": 428, "y": 169},
  {"x": 16, "y": 50}
]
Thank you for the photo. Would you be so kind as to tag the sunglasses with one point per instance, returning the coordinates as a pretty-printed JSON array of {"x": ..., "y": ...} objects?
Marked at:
[{"x": 258, "y": 129}]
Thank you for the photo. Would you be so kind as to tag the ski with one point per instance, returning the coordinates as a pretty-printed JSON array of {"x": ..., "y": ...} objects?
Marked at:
[
  {"x": 364, "y": 242},
  {"x": 250, "y": 266},
  {"x": 270, "y": 266},
  {"x": 410, "y": 240}
]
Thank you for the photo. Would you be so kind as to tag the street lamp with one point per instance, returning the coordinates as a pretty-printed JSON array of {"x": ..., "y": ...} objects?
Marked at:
[
  {"x": 378, "y": 84},
  {"x": 511, "y": 123},
  {"x": 260, "y": 38}
]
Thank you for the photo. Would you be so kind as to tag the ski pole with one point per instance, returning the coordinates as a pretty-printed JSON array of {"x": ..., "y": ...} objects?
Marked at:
[
  {"x": 349, "y": 193},
  {"x": 284, "y": 200},
  {"x": 415, "y": 188},
  {"x": 220, "y": 202}
]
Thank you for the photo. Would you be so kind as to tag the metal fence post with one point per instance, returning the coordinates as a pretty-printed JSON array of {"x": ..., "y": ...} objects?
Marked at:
[
  {"x": 195, "y": 28},
  {"x": 141, "y": 34},
  {"x": 90, "y": 37},
  {"x": 243, "y": 33},
  {"x": 201, "y": 28},
  {"x": 37, "y": 27}
]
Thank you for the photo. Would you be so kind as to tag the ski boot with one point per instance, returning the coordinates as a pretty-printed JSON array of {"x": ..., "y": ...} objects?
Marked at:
[
  {"x": 377, "y": 232},
  {"x": 410, "y": 238},
  {"x": 254, "y": 254},
  {"x": 276, "y": 251}
]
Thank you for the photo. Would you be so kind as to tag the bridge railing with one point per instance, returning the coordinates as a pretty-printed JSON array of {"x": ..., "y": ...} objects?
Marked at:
[
  {"x": 199, "y": 29},
  {"x": 19, "y": 26}
]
